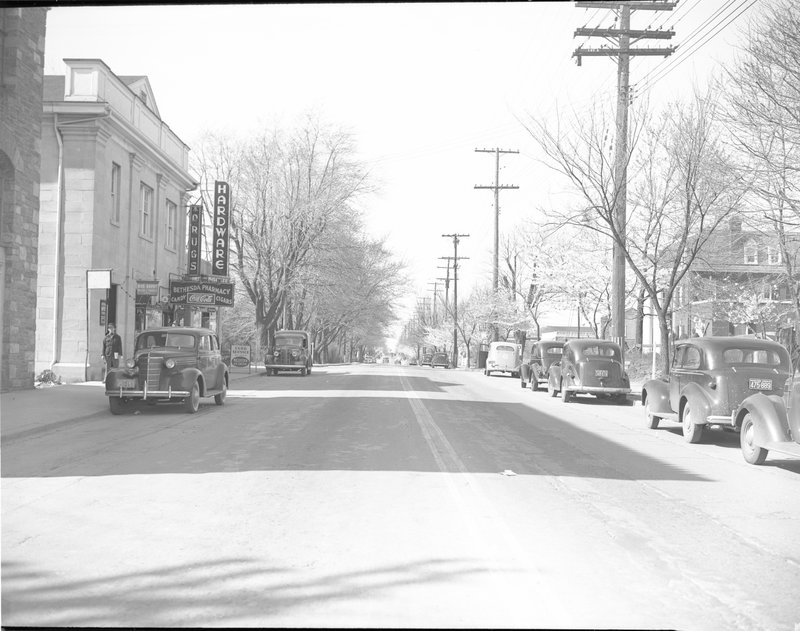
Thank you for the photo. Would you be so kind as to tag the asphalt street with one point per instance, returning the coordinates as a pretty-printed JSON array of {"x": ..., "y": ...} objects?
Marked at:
[{"x": 387, "y": 496}]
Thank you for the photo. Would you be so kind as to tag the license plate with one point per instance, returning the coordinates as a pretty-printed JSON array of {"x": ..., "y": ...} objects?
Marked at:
[
  {"x": 761, "y": 384},
  {"x": 601, "y": 373},
  {"x": 127, "y": 383}
]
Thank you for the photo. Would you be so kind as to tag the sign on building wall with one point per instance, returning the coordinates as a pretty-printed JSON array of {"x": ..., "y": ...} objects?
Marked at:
[
  {"x": 103, "y": 313},
  {"x": 222, "y": 198},
  {"x": 146, "y": 287},
  {"x": 201, "y": 293},
  {"x": 195, "y": 239}
]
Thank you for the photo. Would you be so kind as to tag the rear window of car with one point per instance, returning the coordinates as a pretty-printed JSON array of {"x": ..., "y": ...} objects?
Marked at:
[
  {"x": 504, "y": 348},
  {"x": 555, "y": 350},
  {"x": 751, "y": 356},
  {"x": 600, "y": 351}
]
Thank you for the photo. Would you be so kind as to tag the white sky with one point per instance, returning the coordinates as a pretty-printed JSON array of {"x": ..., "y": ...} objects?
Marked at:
[{"x": 420, "y": 86}]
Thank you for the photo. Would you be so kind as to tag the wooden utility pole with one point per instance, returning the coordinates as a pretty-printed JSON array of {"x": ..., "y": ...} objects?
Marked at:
[
  {"x": 455, "y": 238},
  {"x": 623, "y": 36},
  {"x": 496, "y": 188}
]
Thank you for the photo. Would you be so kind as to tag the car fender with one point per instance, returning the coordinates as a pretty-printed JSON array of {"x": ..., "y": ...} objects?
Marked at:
[
  {"x": 656, "y": 391},
  {"x": 185, "y": 379},
  {"x": 554, "y": 378},
  {"x": 699, "y": 401},
  {"x": 770, "y": 418}
]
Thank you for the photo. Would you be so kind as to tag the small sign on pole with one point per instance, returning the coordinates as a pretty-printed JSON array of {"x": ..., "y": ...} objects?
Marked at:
[{"x": 240, "y": 356}]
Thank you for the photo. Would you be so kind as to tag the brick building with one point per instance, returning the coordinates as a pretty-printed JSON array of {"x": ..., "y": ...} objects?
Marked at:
[
  {"x": 115, "y": 185},
  {"x": 738, "y": 287},
  {"x": 22, "y": 36}
]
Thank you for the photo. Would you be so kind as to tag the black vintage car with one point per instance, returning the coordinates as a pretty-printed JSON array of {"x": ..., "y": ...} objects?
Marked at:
[
  {"x": 292, "y": 350},
  {"x": 536, "y": 369},
  {"x": 175, "y": 364},
  {"x": 589, "y": 366}
]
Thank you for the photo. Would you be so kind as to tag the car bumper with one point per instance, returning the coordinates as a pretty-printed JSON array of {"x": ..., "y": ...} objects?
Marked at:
[
  {"x": 148, "y": 394},
  {"x": 597, "y": 390},
  {"x": 286, "y": 366}
]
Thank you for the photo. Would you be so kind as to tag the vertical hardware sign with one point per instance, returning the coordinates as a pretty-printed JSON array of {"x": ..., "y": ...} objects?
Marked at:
[
  {"x": 195, "y": 239},
  {"x": 222, "y": 198}
]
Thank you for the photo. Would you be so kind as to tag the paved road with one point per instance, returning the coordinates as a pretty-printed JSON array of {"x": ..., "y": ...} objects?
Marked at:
[{"x": 391, "y": 497}]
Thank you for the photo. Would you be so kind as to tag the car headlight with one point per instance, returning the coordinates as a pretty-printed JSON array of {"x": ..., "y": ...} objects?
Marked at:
[
  {"x": 169, "y": 363},
  {"x": 295, "y": 353},
  {"x": 276, "y": 353},
  {"x": 130, "y": 363}
]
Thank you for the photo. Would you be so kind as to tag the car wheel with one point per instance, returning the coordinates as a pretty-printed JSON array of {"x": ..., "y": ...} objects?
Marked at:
[
  {"x": 303, "y": 371},
  {"x": 551, "y": 389},
  {"x": 751, "y": 452},
  {"x": 566, "y": 395},
  {"x": 116, "y": 405},
  {"x": 219, "y": 399},
  {"x": 534, "y": 383},
  {"x": 692, "y": 432},
  {"x": 651, "y": 419},
  {"x": 192, "y": 403}
]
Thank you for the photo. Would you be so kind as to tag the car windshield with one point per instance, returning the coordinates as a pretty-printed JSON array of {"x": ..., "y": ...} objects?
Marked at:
[
  {"x": 751, "y": 356},
  {"x": 600, "y": 350},
  {"x": 289, "y": 340},
  {"x": 502, "y": 348},
  {"x": 165, "y": 340}
]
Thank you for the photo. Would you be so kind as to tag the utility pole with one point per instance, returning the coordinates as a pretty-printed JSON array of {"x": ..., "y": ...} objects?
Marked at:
[
  {"x": 435, "y": 297},
  {"x": 496, "y": 188},
  {"x": 455, "y": 238},
  {"x": 446, "y": 281},
  {"x": 623, "y": 36}
]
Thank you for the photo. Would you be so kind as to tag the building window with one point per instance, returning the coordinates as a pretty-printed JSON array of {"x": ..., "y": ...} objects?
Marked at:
[
  {"x": 146, "y": 211},
  {"x": 116, "y": 187},
  {"x": 172, "y": 226},
  {"x": 750, "y": 252},
  {"x": 773, "y": 256}
]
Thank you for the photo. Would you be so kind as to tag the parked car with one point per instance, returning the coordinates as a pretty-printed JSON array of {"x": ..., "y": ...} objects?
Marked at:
[
  {"x": 710, "y": 377},
  {"x": 589, "y": 366},
  {"x": 369, "y": 359},
  {"x": 766, "y": 423},
  {"x": 440, "y": 359},
  {"x": 292, "y": 350},
  {"x": 427, "y": 358},
  {"x": 536, "y": 369},
  {"x": 412, "y": 362},
  {"x": 175, "y": 364},
  {"x": 503, "y": 357}
]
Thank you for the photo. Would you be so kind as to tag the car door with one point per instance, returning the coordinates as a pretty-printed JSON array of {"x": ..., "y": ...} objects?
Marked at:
[
  {"x": 204, "y": 360},
  {"x": 674, "y": 377}
]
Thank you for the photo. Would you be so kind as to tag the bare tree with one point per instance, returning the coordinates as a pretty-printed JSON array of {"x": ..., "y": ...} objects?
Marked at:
[
  {"x": 681, "y": 188},
  {"x": 287, "y": 190}
]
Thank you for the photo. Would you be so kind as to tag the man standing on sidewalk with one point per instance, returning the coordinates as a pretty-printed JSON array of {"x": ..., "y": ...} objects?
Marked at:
[{"x": 112, "y": 347}]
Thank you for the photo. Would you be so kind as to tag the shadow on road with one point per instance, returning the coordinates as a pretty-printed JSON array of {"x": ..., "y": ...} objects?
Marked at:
[{"x": 223, "y": 592}]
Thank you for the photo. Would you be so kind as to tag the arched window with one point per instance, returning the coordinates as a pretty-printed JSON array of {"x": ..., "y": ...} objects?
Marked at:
[{"x": 750, "y": 252}]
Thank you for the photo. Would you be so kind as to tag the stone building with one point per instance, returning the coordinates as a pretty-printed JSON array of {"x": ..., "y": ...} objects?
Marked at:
[
  {"x": 22, "y": 36},
  {"x": 115, "y": 186}
]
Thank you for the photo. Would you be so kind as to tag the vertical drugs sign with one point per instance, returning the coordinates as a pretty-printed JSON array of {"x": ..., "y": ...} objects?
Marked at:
[
  {"x": 222, "y": 197},
  {"x": 195, "y": 239}
]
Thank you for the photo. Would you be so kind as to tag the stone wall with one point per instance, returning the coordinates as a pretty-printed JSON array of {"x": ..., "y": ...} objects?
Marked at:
[{"x": 22, "y": 39}]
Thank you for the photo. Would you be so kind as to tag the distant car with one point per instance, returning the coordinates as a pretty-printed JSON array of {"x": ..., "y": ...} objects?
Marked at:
[
  {"x": 427, "y": 358},
  {"x": 412, "y": 362},
  {"x": 536, "y": 369},
  {"x": 767, "y": 424},
  {"x": 385, "y": 360},
  {"x": 710, "y": 377},
  {"x": 589, "y": 366},
  {"x": 175, "y": 364},
  {"x": 369, "y": 359},
  {"x": 503, "y": 357},
  {"x": 440, "y": 359},
  {"x": 292, "y": 350}
]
